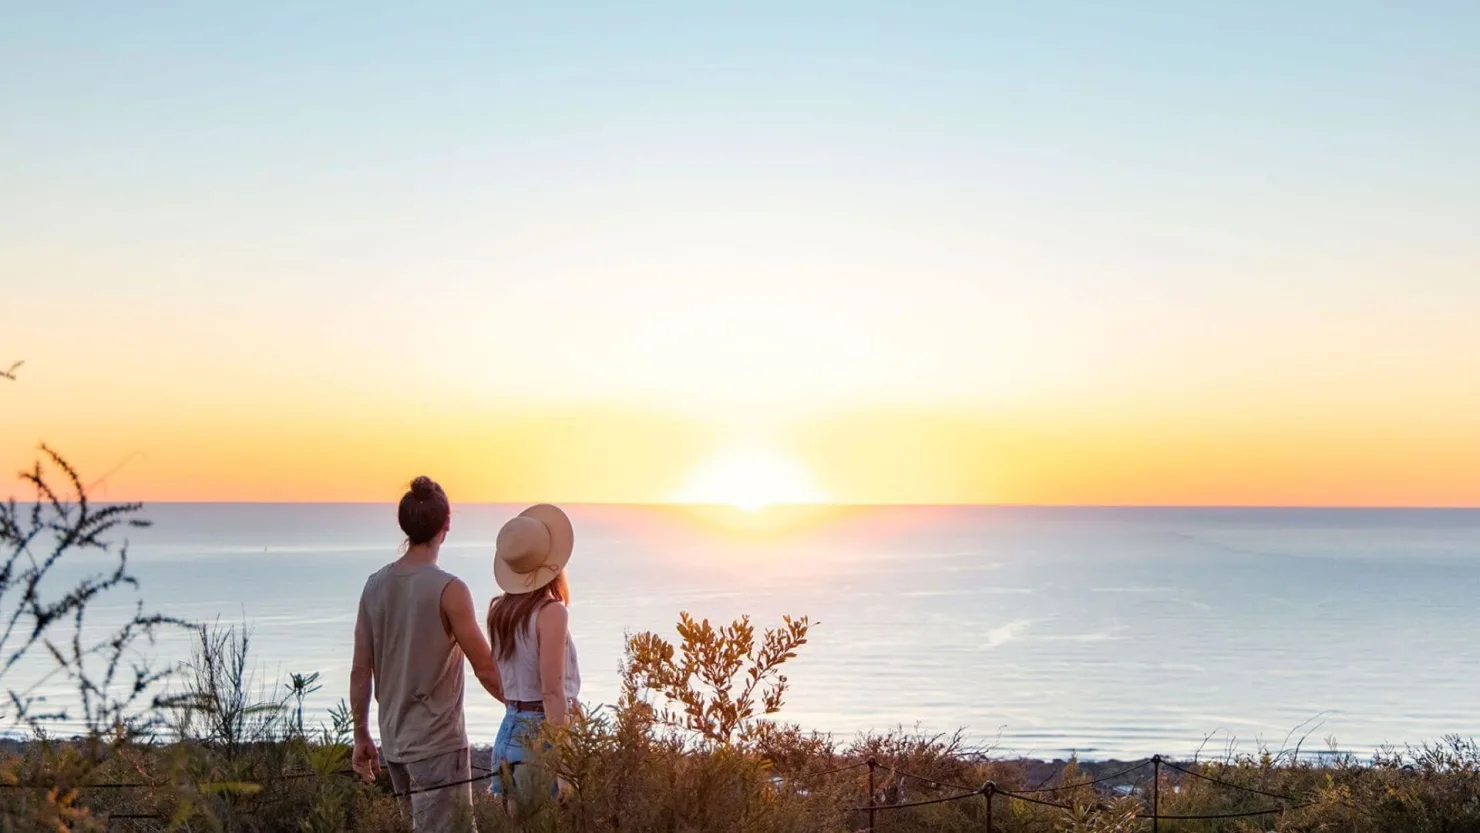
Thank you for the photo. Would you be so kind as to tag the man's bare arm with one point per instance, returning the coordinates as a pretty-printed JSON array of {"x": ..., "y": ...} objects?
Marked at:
[
  {"x": 361, "y": 674},
  {"x": 366, "y": 758},
  {"x": 457, "y": 606}
]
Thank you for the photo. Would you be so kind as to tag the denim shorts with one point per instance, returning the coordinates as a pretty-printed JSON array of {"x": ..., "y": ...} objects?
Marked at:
[{"x": 514, "y": 749}]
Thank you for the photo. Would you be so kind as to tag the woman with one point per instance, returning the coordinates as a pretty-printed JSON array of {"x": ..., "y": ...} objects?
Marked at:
[{"x": 529, "y": 630}]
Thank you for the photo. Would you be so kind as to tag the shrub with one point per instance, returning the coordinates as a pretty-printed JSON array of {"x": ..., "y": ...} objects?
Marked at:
[{"x": 719, "y": 678}]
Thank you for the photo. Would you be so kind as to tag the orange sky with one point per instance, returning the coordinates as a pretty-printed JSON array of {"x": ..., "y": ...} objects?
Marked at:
[
  {"x": 583, "y": 391},
  {"x": 1277, "y": 447}
]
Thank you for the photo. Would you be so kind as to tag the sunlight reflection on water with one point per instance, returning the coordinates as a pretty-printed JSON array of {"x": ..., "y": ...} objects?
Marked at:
[{"x": 1109, "y": 632}]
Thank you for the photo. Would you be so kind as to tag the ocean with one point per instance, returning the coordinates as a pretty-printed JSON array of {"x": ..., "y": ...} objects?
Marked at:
[{"x": 1040, "y": 631}]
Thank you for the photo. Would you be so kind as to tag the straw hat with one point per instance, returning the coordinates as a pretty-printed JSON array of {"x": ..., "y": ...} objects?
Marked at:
[{"x": 532, "y": 548}]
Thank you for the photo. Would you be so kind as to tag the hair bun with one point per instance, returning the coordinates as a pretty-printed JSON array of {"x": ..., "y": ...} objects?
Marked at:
[
  {"x": 423, "y": 487},
  {"x": 424, "y": 511}
]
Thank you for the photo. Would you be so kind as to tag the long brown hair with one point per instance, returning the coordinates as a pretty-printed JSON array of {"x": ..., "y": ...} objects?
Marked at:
[{"x": 512, "y": 611}]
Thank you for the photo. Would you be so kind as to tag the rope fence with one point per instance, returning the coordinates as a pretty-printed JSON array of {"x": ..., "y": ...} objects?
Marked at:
[
  {"x": 989, "y": 791},
  {"x": 1221, "y": 783}
]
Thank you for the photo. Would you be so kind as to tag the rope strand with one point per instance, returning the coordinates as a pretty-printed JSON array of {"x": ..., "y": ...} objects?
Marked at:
[
  {"x": 1228, "y": 784},
  {"x": 904, "y": 774},
  {"x": 1031, "y": 800},
  {"x": 827, "y": 772},
  {"x": 1247, "y": 814},
  {"x": 924, "y": 803}
]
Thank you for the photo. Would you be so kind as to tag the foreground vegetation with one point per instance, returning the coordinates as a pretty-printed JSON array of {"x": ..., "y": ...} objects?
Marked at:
[
  {"x": 690, "y": 746},
  {"x": 222, "y": 760}
]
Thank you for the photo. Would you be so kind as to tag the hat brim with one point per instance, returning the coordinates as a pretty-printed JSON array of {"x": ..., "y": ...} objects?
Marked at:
[{"x": 562, "y": 544}]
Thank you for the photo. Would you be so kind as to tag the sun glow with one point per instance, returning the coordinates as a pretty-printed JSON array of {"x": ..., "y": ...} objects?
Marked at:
[{"x": 751, "y": 481}]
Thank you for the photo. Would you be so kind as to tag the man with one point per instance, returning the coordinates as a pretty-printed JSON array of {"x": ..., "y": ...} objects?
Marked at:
[{"x": 415, "y": 625}]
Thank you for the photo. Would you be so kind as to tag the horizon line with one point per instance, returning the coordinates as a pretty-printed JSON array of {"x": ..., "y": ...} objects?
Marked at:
[{"x": 844, "y": 505}]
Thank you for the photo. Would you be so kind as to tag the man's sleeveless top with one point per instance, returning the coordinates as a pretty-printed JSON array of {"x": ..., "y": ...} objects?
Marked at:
[
  {"x": 418, "y": 665},
  {"x": 520, "y": 673}
]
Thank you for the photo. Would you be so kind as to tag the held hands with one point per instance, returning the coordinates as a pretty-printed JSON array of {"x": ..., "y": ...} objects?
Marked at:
[{"x": 366, "y": 759}]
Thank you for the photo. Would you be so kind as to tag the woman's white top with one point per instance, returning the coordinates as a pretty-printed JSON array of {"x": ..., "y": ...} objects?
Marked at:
[{"x": 520, "y": 673}]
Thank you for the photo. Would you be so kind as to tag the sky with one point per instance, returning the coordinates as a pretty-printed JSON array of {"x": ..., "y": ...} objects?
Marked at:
[{"x": 1058, "y": 252}]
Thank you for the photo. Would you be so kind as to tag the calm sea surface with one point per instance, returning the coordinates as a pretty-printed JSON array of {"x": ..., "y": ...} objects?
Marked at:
[{"x": 1110, "y": 632}]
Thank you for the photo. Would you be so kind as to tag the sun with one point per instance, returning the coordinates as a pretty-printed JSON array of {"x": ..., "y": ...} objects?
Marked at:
[{"x": 751, "y": 480}]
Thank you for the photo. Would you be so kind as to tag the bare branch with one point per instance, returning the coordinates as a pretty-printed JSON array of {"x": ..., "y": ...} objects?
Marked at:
[{"x": 47, "y": 622}]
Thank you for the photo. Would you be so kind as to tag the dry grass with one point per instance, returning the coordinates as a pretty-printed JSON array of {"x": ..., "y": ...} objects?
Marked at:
[
  {"x": 240, "y": 762},
  {"x": 626, "y": 779}
]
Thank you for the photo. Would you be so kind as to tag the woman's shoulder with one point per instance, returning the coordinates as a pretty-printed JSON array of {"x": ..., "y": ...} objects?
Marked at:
[{"x": 553, "y": 614}]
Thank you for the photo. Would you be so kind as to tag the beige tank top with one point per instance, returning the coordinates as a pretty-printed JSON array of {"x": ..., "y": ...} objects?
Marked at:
[
  {"x": 520, "y": 673},
  {"x": 418, "y": 665}
]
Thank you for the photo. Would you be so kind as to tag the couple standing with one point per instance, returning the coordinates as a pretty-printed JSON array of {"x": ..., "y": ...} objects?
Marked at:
[{"x": 416, "y": 624}]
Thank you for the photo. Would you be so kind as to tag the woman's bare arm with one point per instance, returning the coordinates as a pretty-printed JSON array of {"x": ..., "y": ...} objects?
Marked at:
[{"x": 550, "y": 627}]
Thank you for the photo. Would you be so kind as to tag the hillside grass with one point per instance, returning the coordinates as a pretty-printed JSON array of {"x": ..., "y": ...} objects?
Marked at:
[{"x": 231, "y": 755}]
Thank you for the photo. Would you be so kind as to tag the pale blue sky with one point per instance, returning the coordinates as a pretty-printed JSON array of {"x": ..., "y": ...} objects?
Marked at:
[{"x": 240, "y": 124}]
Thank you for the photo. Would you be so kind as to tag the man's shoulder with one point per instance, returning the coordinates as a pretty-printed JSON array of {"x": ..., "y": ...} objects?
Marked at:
[
  {"x": 376, "y": 578},
  {"x": 451, "y": 582},
  {"x": 436, "y": 573},
  {"x": 421, "y": 577}
]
